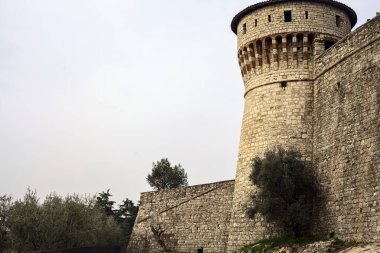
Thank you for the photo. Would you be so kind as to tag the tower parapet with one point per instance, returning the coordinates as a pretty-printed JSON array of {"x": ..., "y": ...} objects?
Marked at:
[{"x": 278, "y": 41}]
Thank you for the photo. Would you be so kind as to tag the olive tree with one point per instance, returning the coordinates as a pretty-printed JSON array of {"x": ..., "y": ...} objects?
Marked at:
[{"x": 286, "y": 189}]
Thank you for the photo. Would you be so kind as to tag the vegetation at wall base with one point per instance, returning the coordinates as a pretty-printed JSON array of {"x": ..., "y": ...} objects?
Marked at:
[
  {"x": 286, "y": 190},
  {"x": 268, "y": 245}
]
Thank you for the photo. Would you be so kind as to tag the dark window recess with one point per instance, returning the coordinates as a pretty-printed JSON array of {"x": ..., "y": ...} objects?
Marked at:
[
  {"x": 244, "y": 28},
  {"x": 288, "y": 16},
  {"x": 338, "y": 21},
  {"x": 269, "y": 18},
  {"x": 306, "y": 15},
  {"x": 338, "y": 85},
  {"x": 255, "y": 22},
  {"x": 283, "y": 85},
  {"x": 328, "y": 44}
]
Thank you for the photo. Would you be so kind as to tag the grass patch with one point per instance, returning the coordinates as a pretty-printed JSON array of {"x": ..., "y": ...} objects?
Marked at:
[{"x": 266, "y": 244}]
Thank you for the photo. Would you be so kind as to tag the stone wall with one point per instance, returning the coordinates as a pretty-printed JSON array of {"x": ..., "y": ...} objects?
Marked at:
[
  {"x": 346, "y": 142},
  {"x": 277, "y": 63},
  {"x": 321, "y": 19},
  {"x": 191, "y": 217},
  {"x": 272, "y": 116}
]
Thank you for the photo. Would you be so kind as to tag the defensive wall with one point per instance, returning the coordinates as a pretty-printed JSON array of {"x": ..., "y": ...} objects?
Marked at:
[
  {"x": 346, "y": 142},
  {"x": 300, "y": 91},
  {"x": 191, "y": 218},
  {"x": 278, "y": 41}
]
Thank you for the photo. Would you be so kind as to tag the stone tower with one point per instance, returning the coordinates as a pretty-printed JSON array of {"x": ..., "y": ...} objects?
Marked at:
[{"x": 277, "y": 43}]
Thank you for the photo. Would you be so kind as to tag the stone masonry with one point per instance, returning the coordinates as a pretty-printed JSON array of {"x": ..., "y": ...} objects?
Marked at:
[
  {"x": 191, "y": 217},
  {"x": 312, "y": 84},
  {"x": 346, "y": 143},
  {"x": 277, "y": 64}
]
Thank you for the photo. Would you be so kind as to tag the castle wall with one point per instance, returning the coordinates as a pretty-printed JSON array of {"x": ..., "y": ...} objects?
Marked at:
[
  {"x": 272, "y": 116},
  {"x": 326, "y": 105},
  {"x": 191, "y": 217},
  {"x": 277, "y": 65},
  {"x": 347, "y": 135}
]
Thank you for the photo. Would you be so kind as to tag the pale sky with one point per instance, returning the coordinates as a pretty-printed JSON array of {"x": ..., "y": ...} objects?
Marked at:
[{"x": 93, "y": 91}]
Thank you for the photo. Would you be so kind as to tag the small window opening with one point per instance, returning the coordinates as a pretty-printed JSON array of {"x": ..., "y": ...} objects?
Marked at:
[
  {"x": 328, "y": 44},
  {"x": 288, "y": 16},
  {"x": 306, "y": 15},
  {"x": 244, "y": 28},
  {"x": 269, "y": 18},
  {"x": 255, "y": 22},
  {"x": 338, "y": 21},
  {"x": 338, "y": 85},
  {"x": 283, "y": 85}
]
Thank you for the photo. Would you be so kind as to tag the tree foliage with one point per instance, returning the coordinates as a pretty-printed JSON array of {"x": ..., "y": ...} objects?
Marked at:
[
  {"x": 63, "y": 222},
  {"x": 5, "y": 205},
  {"x": 103, "y": 201},
  {"x": 125, "y": 216},
  {"x": 286, "y": 189},
  {"x": 164, "y": 176}
]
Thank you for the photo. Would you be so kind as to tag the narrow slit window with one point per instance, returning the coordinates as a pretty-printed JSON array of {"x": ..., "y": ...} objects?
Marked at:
[
  {"x": 244, "y": 28},
  {"x": 255, "y": 22},
  {"x": 269, "y": 18},
  {"x": 338, "y": 21},
  {"x": 306, "y": 15},
  {"x": 288, "y": 16}
]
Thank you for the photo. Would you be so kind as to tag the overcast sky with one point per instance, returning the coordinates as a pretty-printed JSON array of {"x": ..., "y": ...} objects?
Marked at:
[{"x": 93, "y": 91}]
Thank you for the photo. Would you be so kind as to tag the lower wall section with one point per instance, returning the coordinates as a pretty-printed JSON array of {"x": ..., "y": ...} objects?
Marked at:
[
  {"x": 347, "y": 136},
  {"x": 188, "y": 218}
]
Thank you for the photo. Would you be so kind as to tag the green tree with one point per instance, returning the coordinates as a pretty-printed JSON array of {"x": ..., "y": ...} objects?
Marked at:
[
  {"x": 164, "y": 176},
  {"x": 58, "y": 223},
  {"x": 104, "y": 202},
  {"x": 5, "y": 205},
  {"x": 126, "y": 216},
  {"x": 286, "y": 189},
  {"x": 24, "y": 223}
]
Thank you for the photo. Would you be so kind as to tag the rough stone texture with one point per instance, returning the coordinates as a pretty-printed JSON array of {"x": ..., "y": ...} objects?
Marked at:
[
  {"x": 317, "y": 247},
  {"x": 191, "y": 217},
  {"x": 326, "y": 247},
  {"x": 321, "y": 18},
  {"x": 347, "y": 135},
  {"x": 272, "y": 54},
  {"x": 369, "y": 248}
]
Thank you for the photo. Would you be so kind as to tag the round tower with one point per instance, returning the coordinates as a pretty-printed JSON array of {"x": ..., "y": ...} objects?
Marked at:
[{"x": 277, "y": 43}]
